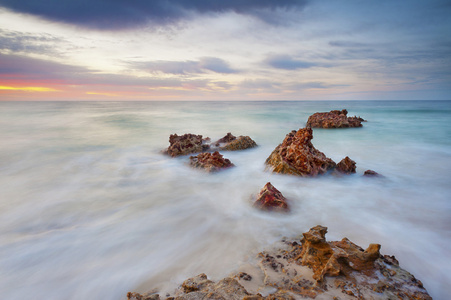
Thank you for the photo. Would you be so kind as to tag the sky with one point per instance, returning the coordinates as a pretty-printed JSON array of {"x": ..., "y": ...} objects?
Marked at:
[{"x": 225, "y": 50}]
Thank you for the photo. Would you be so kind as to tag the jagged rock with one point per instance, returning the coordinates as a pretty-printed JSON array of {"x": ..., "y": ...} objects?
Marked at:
[
  {"x": 297, "y": 155},
  {"x": 346, "y": 166},
  {"x": 334, "y": 119},
  {"x": 341, "y": 270},
  {"x": 371, "y": 173},
  {"x": 211, "y": 162},
  {"x": 240, "y": 143},
  {"x": 226, "y": 139},
  {"x": 271, "y": 198},
  {"x": 186, "y": 144}
]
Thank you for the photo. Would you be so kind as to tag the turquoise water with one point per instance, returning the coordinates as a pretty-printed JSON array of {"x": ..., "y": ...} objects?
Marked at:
[{"x": 90, "y": 208}]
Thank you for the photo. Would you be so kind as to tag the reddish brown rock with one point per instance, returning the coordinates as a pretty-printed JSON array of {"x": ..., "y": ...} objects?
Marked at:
[
  {"x": 226, "y": 139},
  {"x": 271, "y": 198},
  {"x": 185, "y": 144},
  {"x": 334, "y": 119},
  {"x": 346, "y": 166},
  {"x": 297, "y": 155},
  {"x": 211, "y": 162},
  {"x": 240, "y": 143},
  {"x": 371, "y": 173}
]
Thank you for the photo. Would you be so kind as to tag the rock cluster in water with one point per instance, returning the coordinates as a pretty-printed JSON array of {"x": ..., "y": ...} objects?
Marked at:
[
  {"x": 192, "y": 143},
  {"x": 211, "y": 162},
  {"x": 308, "y": 268},
  {"x": 334, "y": 119},
  {"x": 297, "y": 155},
  {"x": 271, "y": 199}
]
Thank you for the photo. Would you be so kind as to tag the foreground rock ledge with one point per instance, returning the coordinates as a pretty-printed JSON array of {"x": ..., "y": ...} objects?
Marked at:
[
  {"x": 297, "y": 156},
  {"x": 309, "y": 268},
  {"x": 334, "y": 119}
]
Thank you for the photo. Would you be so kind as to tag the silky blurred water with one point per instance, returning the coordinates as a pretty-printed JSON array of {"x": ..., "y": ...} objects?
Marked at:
[{"x": 90, "y": 208}]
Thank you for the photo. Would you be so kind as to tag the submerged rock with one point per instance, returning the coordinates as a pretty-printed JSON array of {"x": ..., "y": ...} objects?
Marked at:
[
  {"x": 297, "y": 155},
  {"x": 334, "y": 119},
  {"x": 371, "y": 173},
  {"x": 271, "y": 198},
  {"x": 186, "y": 144},
  {"x": 313, "y": 268},
  {"x": 211, "y": 162},
  {"x": 346, "y": 166}
]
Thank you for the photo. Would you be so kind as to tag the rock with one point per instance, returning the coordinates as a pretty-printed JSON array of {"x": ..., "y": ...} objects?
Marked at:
[
  {"x": 240, "y": 143},
  {"x": 346, "y": 166},
  {"x": 226, "y": 139},
  {"x": 271, "y": 198},
  {"x": 371, "y": 173},
  {"x": 137, "y": 296},
  {"x": 296, "y": 155},
  {"x": 185, "y": 144},
  {"x": 312, "y": 269},
  {"x": 334, "y": 119},
  {"x": 211, "y": 162}
]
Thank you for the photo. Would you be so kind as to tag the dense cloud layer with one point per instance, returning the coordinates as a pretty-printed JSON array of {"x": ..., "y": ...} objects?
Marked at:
[{"x": 119, "y": 14}]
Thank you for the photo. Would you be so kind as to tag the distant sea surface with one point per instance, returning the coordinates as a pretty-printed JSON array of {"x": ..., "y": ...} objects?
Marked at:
[{"x": 91, "y": 209}]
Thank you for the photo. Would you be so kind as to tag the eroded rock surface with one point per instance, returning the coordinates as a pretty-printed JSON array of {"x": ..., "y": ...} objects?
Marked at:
[
  {"x": 334, "y": 119},
  {"x": 297, "y": 155},
  {"x": 346, "y": 166},
  {"x": 192, "y": 143},
  {"x": 309, "y": 268},
  {"x": 240, "y": 143},
  {"x": 211, "y": 162},
  {"x": 186, "y": 144},
  {"x": 271, "y": 198}
]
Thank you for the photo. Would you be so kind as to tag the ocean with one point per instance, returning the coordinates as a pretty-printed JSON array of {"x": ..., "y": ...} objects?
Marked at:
[{"x": 91, "y": 209}]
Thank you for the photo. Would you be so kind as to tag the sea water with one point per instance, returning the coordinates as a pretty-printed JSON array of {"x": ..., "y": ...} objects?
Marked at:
[{"x": 91, "y": 209}]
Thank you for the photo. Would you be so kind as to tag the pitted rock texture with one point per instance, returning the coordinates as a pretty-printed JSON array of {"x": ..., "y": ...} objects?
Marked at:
[
  {"x": 297, "y": 156},
  {"x": 346, "y": 166},
  {"x": 310, "y": 268},
  {"x": 240, "y": 143},
  {"x": 186, "y": 144},
  {"x": 211, "y": 162},
  {"x": 334, "y": 119},
  {"x": 270, "y": 199}
]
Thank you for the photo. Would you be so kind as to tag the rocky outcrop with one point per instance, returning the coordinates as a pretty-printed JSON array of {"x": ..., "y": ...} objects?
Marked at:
[
  {"x": 226, "y": 139},
  {"x": 346, "y": 166},
  {"x": 232, "y": 143},
  {"x": 297, "y": 155},
  {"x": 270, "y": 199},
  {"x": 309, "y": 268},
  {"x": 240, "y": 143},
  {"x": 211, "y": 162},
  {"x": 334, "y": 119},
  {"x": 192, "y": 143},
  {"x": 186, "y": 144}
]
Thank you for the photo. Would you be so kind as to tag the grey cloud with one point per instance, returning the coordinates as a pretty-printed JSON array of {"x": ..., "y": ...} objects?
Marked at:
[
  {"x": 202, "y": 65},
  {"x": 17, "y": 67},
  {"x": 29, "y": 43},
  {"x": 286, "y": 62},
  {"x": 120, "y": 14}
]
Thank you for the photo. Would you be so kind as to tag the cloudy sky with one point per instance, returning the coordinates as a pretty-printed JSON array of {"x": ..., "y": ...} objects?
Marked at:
[{"x": 225, "y": 50}]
